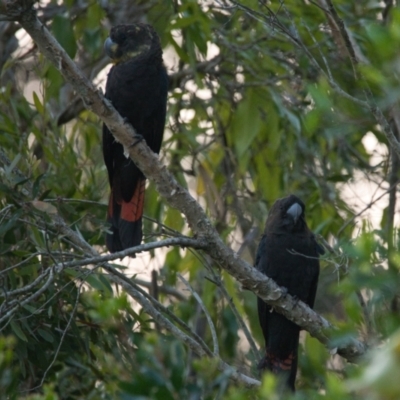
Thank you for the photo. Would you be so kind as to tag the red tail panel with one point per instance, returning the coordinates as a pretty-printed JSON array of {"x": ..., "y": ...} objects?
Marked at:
[
  {"x": 278, "y": 364},
  {"x": 126, "y": 220},
  {"x": 133, "y": 210}
]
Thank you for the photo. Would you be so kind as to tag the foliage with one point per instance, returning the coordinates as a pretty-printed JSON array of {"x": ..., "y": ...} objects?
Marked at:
[{"x": 253, "y": 114}]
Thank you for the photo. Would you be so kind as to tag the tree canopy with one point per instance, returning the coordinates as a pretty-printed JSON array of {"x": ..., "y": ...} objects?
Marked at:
[{"x": 266, "y": 98}]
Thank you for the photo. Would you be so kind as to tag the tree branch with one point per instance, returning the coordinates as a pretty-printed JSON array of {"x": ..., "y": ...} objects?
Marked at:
[{"x": 179, "y": 241}]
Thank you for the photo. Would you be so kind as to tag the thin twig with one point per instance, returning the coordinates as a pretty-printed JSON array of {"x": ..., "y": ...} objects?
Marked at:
[
  {"x": 368, "y": 206},
  {"x": 345, "y": 35},
  {"x": 207, "y": 314},
  {"x": 29, "y": 287},
  {"x": 217, "y": 281},
  {"x": 366, "y": 314},
  {"x": 177, "y": 241},
  {"x": 165, "y": 289},
  {"x": 28, "y": 299}
]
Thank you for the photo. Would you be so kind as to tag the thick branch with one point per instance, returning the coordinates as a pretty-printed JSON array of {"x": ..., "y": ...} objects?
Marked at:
[{"x": 176, "y": 196}]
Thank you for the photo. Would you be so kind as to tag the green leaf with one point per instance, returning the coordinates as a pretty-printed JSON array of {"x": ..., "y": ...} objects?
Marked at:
[
  {"x": 16, "y": 328},
  {"x": 96, "y": 283},
  {"x": 55, "y": 80},
  {"x": 13, "y": 164},
  {"x": 38, "y": 104},
  {"x": 246, "y": 122},
  {"x": 64, "y": 34},
  {"x": 181, "y": 53},
  {"x": 11, "y": 222},
  {"x": 106, "y": 283},
  {"x": 46, "y": 335},
  {"x": 30, "y": 308}
]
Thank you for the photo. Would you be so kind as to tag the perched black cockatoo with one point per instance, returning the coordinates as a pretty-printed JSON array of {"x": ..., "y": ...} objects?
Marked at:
[
  {"x": 289, "y": 254},
  {"x": 137, "y": 87}
]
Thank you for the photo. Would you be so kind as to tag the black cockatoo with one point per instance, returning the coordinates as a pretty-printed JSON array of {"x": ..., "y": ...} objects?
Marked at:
[
  {"x": 289, "y": 254},
  {"x": 137, "y": 87}
]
